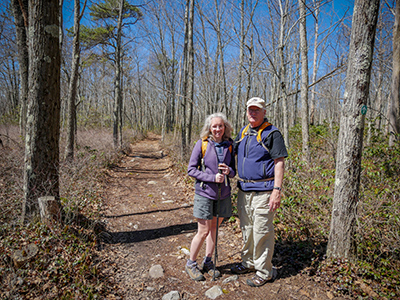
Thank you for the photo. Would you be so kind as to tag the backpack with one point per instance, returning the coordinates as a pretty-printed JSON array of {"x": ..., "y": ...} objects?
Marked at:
[{"x": 260, "y": 130}]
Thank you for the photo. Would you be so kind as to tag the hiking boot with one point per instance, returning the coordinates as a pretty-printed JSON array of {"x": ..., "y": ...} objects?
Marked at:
[
  {"x": 194, "y": 272},
  {"x": 208, "y": 267},
  {"x": 258, "y": 281},
  {"x": 240, "y": 269}
]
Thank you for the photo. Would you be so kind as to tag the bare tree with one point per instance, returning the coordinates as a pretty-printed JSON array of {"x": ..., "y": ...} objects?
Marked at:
[
  {"x": 348, "y": 164},
  {"x": 43, "y": 122},
  {"x": 315, "y": 69},
  {"x": 304, "y": 81},
  {"x": 394, "y": 102},
  {"x": 72, "y": 90},
  {"x": 20, "y": 12},
  {"x": 188, "y": 77},
  {"x": 117, "y": 132},
  {"x": 282, "y": 70}
]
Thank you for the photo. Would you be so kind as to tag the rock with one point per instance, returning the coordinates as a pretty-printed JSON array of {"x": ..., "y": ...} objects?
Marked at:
[
  {"x": 152, "y": 182},
  {"x": 173, "y": 295},
  {"x": 214, "y": 292},
  {"x": 184, "y": 250},
  {"x": 156, "y": 271},
  {"x": 230, "y": 279}
]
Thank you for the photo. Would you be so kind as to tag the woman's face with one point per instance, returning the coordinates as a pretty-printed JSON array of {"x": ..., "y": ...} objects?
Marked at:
[{"x": 217, "y": 129}]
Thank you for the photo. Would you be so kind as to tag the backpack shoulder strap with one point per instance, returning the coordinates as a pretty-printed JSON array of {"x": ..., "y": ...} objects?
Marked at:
[
  {"x": 204, "y": 144},
  {"x": 260, "y": 130},
  {"x": 244, "y": 132}
]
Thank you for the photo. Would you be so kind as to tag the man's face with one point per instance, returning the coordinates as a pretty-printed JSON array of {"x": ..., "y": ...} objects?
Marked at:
[{"x": 255, "y": 115}]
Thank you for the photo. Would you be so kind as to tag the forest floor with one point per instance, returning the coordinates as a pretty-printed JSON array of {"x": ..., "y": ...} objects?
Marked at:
[{"x": 149, "y": 223}]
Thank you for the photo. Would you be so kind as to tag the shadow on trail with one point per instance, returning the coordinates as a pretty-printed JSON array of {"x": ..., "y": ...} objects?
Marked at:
[
  {"x": 145, "y": 212},
  {"x": 116, "y": 168},
  {"x": 292, "y": 258},
  {"x": 127, "y": 237}
]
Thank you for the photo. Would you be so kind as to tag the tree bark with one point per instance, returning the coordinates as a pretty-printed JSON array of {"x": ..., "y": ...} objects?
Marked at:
[
  {"x": 43, "y": 122},
  {"x": 348, "y": 164},
  {"x": 394, "y": 104},
  {"x": 315, "y": 65},
  {"x": 304, "y": 82},
  {"x": 72, "y": 90},
  {"x": 239, "y": 108},
  {"x": 117, "y": 132},
  {"x": 282, "y": 70},
  {"x": 21, "y": 26}
]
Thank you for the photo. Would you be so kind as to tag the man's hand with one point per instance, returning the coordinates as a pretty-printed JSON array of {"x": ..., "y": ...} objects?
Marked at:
[{"x": 275, "y": 200}]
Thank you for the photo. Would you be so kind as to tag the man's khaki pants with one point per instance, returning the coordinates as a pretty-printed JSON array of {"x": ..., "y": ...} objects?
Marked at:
[{"x": 257, "y": 231}]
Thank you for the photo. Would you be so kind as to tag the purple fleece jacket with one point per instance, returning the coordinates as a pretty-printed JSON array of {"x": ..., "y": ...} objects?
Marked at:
[{"x": 205, "y": 181}]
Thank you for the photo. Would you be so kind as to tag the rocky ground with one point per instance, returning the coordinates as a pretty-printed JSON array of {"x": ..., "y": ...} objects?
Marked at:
[{"x": 148, "y": 215}]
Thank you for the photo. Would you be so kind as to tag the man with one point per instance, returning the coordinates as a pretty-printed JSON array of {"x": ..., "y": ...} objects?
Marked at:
[{"x": 261, "y": 153}]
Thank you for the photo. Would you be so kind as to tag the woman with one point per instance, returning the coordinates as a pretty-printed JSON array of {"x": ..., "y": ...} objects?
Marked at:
[{"x": 212, "y": 171}]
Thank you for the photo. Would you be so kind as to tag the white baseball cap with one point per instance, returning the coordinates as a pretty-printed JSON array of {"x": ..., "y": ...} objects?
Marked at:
[{"x": 256, "y": 101}]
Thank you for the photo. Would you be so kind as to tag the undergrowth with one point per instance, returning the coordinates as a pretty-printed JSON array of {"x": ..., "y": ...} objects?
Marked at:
[
  {"x": 305, "y": 215},
  {"x": 67, "y": 265}
]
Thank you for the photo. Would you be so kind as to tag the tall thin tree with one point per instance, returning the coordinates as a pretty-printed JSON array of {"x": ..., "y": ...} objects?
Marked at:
[
  {"x": 304, "y": 82},
  {"x": 394, "y": 102},
  {"x": 20, "y": 12},
  {"x": 73, "y": 84}
]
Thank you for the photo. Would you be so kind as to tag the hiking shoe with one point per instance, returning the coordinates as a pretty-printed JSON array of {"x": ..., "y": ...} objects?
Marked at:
[
  {"x": 208, "y": 267},
  {"x": 258, "y": 281},
  {"x": 194, "y": 272},
  {"x": 240, "y": 269}
]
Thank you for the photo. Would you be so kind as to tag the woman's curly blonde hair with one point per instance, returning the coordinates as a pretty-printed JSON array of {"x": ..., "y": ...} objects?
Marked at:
[{"x": 205, "y": 131}]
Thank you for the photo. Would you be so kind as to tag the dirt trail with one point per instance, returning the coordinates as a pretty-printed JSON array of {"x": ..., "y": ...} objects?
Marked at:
[{"x": 148, "y": 215}]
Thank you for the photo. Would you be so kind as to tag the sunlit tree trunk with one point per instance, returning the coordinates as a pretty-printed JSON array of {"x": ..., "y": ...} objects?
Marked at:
[
  {"x": 117, "y": 132},
  {"x": 394, "y": 102},
  {"x": 191, "y": 74},
  {"x": 282, "y": 72},
  {"x": 304, "y": 82},
  {"x": 72, "y": 89},
  {"x": 187, "y": 80},
  {"x": 21, "y": 25},
  {"x": 43, "y": 122},
  {"x": 315, "y": 65},
  {"x": 239, "y": 108},
  {"x": 349, "y": 152}
]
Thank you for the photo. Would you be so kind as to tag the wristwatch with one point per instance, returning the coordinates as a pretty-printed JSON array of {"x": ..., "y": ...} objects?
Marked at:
[{"x": 277, "y": 188}]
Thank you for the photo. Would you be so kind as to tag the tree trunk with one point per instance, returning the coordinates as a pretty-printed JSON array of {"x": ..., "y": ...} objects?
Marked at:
[
  {"x": 348, "y": 164},
  {"x": 117, "y": 134},
  {"x": 184, "y": 81},
  {"x": 304, "y": 82},
  {"x": 72, "y": 90},
  {"x": 282, "y": 71},
  {"x": 43, "y": 122},
  {"x": 21, "y": 26},
  {"x": 315, "y": 65},
  {"x": 394, "y": 104},
  {"x": 239, "y": 108},
  {"x": 191, "y": 74},
  {"x": 188, "y": 78}
]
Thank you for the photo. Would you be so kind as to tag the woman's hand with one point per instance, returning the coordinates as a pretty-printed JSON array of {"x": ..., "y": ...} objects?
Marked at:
[
  {"x": 224, "y": 169},
  {"x": 219, "y": 178}
]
